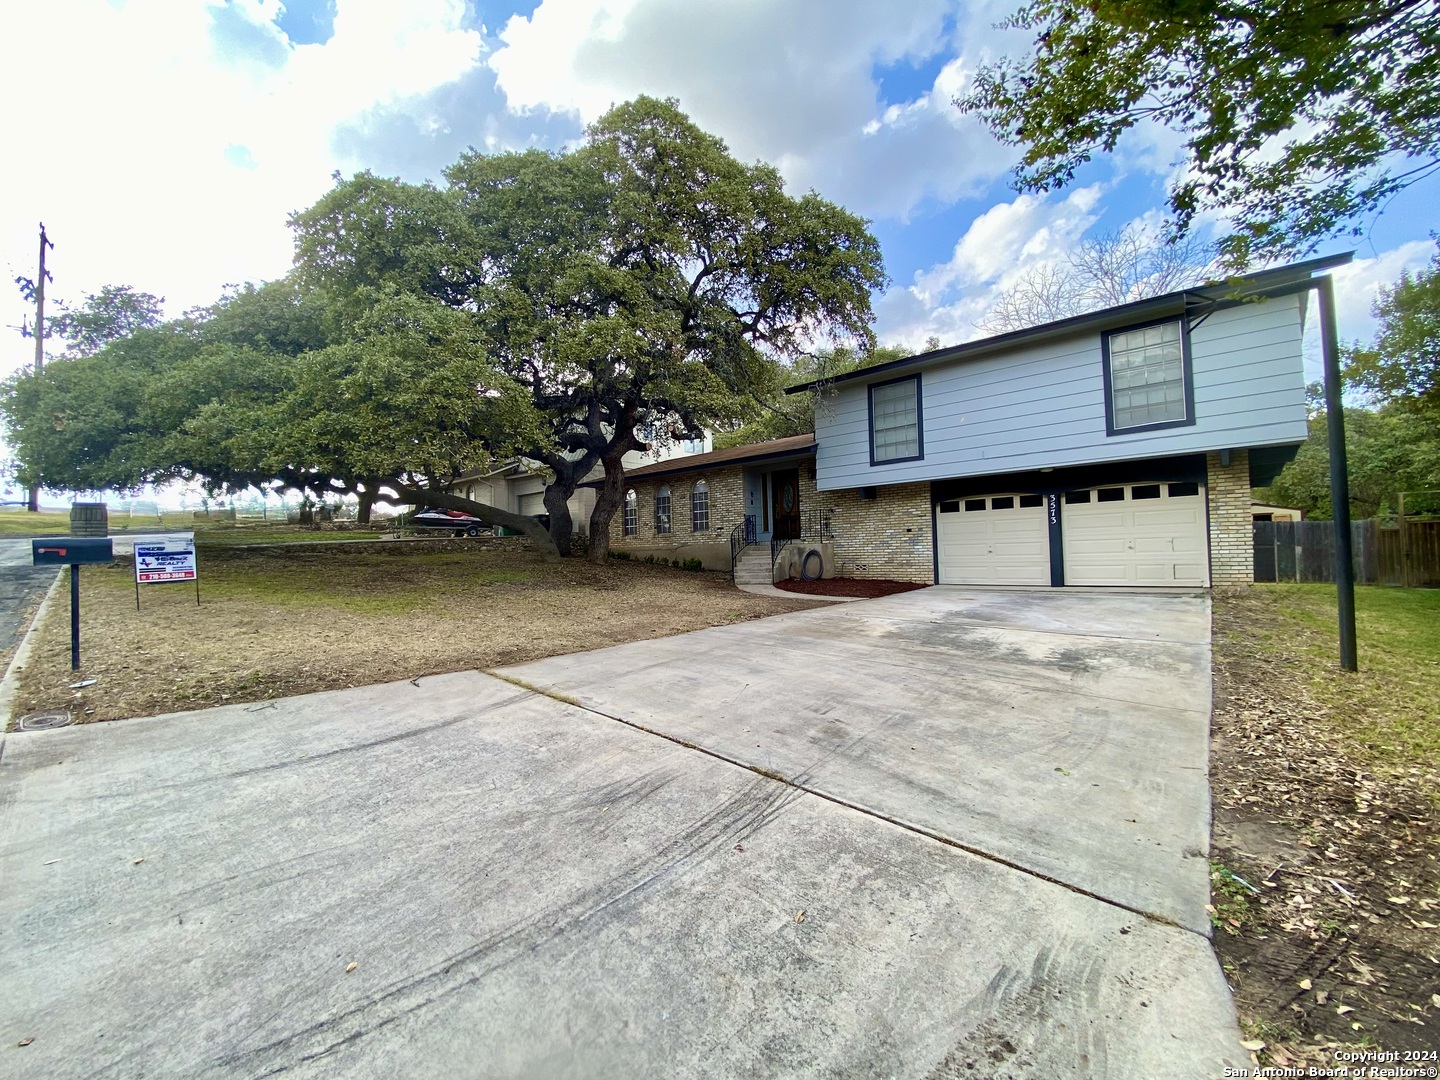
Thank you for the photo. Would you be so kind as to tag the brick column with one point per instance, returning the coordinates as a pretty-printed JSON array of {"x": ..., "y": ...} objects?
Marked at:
[{"x": 1232, "y": 544}]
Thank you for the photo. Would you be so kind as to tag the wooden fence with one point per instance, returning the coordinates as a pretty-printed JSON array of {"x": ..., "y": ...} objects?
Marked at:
[{"x": 1407, "y": 553}]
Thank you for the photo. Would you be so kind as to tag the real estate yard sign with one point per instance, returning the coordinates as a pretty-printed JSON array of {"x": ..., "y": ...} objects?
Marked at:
[{"x": 165, "y": 559}]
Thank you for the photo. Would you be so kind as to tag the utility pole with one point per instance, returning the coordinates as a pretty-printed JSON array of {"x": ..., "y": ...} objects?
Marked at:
[{"x": 34, "y": 504}]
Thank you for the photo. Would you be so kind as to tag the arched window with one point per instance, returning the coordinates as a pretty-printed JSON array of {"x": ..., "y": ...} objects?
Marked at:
[
  {"x": 700, "y": 507},
  {"x": 632, "y": 513},
  {"x": 662, "y": 511}
]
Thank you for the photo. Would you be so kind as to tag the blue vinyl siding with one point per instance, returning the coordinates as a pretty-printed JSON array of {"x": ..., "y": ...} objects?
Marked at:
[{"x": 1044, "y": 406}]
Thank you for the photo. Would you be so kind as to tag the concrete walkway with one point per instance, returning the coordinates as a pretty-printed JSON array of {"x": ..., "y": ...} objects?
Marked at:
[{"x": 470, "y": 878}]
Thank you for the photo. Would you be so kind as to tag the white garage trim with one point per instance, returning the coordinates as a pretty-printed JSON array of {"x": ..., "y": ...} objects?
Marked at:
[
  {"x": 1136, "y": 534},
  {"x": 993, "y": 540}
]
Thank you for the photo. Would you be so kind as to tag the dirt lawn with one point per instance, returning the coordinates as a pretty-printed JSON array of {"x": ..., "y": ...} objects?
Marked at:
[
  {"x": 275, "y": 622},
  {"x": 1326, "y": 855}
]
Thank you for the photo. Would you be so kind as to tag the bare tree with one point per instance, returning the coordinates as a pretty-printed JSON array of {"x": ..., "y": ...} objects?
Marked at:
[{"x": 1132, "y": 263}]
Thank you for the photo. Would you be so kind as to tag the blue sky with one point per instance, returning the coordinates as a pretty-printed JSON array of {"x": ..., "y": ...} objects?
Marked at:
[{"x": 178, "y": 134}]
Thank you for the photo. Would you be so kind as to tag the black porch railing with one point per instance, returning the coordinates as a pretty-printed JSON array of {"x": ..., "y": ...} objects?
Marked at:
[
  {"x": 806, "y": 525},
  {"x": 741, "y": 537}
]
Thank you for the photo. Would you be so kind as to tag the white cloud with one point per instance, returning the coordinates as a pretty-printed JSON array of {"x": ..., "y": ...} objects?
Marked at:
[
  {"x": 175, "y": 139},
  {"x": 1001, "y": 246},
  {"x": 789, "y": 83}
]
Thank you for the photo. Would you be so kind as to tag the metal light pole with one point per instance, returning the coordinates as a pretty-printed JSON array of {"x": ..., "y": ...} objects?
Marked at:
[{"x": 1339, "y": 474}]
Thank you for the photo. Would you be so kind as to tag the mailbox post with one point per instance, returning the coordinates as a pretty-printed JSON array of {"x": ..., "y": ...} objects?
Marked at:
[{"x": 74, "y": 552}]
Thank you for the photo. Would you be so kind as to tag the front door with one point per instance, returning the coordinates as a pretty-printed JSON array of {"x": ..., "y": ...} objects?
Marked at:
[{"x": 785, "y": 501}]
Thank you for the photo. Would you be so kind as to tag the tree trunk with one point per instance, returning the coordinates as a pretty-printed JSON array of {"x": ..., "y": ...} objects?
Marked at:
[
  {"x": 367, "y": 503},
  {"x": 491, "y": 515},
  {"x": 562, "y": 525},
  {"x": 609, "y": 498}
]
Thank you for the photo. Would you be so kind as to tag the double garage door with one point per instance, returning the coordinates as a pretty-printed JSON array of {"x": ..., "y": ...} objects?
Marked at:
[{"x": 1123, "y": 534}]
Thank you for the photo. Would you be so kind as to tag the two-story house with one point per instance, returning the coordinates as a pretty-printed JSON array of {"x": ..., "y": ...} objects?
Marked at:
[{"x": 1114, "y": 448}]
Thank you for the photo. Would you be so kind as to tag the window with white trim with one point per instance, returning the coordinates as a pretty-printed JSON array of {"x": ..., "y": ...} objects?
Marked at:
[
  {"x": 700, "y": 507},
  {"x": 662, "y": 511},
  {"x": 632, "y": 513},
  {"x": 1147, "y": 376},
  {"x": 895, "y": 433}
]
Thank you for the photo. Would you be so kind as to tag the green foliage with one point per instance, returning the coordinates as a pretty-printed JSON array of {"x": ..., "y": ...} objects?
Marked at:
[
  {"x": 623, "y": 556},
  {"x": 780, "y": 415},
  {"x": 542, "y": 305},
  {"x": 692, "y": 564},
  {"x": 1298, "y": 115},
  {"x": 1403, "y": 363},
  {"x": 1387, "y": 451},
  {"x": 116, "y": 311}
]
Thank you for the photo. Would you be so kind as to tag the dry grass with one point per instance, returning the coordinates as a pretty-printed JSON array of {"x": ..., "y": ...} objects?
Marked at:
[
  {"x": 274, "y": 623},
  {"x": 1326, "y": 832}
]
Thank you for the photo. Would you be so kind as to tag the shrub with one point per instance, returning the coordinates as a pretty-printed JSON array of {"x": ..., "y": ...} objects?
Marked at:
[
  {"x": 694, "y": 564},
  {"x": 624, "y": 555}
]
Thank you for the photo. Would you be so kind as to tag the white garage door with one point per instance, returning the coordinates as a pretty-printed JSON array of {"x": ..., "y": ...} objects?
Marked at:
[
  {"x": 532, "y": 504},
  {"x": 1135, "y": 534},
  {"x": 994, "y": 540}
]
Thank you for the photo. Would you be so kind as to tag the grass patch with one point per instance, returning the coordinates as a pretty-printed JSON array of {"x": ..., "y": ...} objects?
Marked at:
[
  {"x": 276, "y": 622},
  {"x": 23, "y": 523},
  {"x": 1391, "y": 707}
]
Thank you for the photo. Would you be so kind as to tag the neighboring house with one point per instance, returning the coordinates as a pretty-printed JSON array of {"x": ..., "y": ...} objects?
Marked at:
[
  {"x": 1114, "y": 448},
  {"x": 518, "y": 485},
  {"x": 1262, "y": 512}
]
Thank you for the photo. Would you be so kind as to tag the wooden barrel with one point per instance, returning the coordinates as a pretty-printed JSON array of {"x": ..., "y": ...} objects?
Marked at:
[{"x": 89, "y": 519}]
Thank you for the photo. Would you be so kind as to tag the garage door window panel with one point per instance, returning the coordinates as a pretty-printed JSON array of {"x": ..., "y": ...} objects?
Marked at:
[
  {"x": 1148, "y": 380},
  {"x": 895, "y": 427}
]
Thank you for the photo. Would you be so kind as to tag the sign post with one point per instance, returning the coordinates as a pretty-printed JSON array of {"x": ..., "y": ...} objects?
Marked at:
[
  {"x": 74, "y": 552},
  {"x": 165, "y": 559}
]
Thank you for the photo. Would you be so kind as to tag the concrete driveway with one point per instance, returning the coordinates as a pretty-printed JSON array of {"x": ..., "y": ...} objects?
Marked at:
[{"x": 951, "y": 833}]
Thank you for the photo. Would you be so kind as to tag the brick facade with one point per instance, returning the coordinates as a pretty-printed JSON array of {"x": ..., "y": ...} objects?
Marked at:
[
  {"x": 885, "y": 537},
  {"x": 727, "y": 508},
  {"x": 1232, "y": 549}
]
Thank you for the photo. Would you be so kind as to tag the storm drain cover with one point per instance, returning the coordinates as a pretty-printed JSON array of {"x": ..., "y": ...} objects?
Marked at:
[{"x": 40, "y": 721}]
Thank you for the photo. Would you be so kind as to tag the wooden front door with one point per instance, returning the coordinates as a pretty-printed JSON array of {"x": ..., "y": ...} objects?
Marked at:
[{"x": 785, "y": 499}]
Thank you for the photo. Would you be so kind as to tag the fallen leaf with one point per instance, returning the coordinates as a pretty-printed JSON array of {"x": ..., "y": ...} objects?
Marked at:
[
  {"x": 800, "y": 915},
  {"x": 138, "y": 861},
  {"x": 26, "y": 1041},
  {"x": 1322, "y": 996},
  {"x": 1305, "y": 984},
  {"x": 1062, "y": 771},
  {"x": 1253, "y": 1045},
  {"x": 1343, "y": 1009},
  {"x": 1435, "y": 1000},
  {"x": 351, "y": 966}
]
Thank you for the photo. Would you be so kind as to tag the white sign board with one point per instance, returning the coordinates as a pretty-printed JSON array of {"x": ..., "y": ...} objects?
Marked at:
[{"x": 170, "y": 557}]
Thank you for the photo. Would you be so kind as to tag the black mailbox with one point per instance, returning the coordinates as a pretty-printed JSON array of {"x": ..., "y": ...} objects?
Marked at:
[{"x": 72, "y": 550}]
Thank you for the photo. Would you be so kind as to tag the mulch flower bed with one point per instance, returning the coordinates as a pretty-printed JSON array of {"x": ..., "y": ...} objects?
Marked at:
[{"x": 859, "y": 587}]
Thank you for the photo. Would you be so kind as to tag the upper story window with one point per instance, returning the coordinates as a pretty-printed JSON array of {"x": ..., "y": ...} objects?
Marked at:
[
  {"x": 1147, "y": 378},
  {"x": 700, "y": 507},
  {"x": 632, "y": 513},
  {"x": 895, "y": 429},
  {"x": 662, "y": 511}
]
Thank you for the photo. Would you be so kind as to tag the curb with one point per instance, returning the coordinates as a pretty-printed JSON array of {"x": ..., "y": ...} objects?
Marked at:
[{"x": 11, "y": 681}]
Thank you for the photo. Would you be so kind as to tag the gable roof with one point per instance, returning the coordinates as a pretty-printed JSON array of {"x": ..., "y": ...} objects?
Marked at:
[
  {"x": 1277, "y": 281},
  {"x": 734, "y": 455}
]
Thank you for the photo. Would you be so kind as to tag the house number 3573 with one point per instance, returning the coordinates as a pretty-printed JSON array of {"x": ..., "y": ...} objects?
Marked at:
[{"x": 1054, "y": 509}]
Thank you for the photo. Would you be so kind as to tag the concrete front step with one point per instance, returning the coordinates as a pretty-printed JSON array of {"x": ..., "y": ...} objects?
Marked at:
[{"x": 754, "y": 567}]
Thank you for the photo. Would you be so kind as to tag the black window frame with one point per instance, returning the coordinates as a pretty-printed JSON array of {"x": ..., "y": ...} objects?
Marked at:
[
  {"x": 919, "y": 420},
  {"x": 1187, "y": 375}
]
